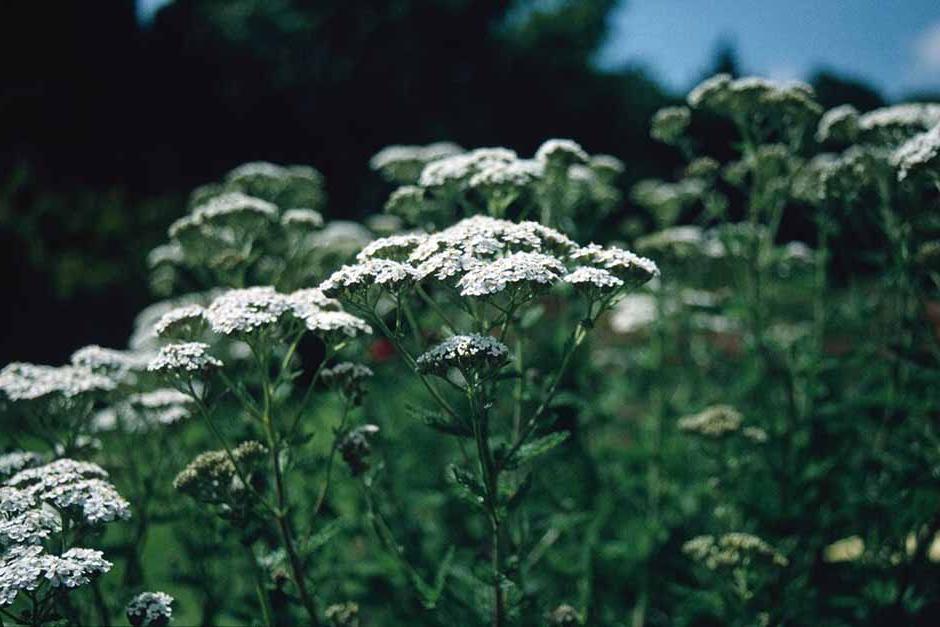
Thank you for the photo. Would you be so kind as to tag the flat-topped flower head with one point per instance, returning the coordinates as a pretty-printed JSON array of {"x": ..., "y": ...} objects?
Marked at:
[
  {"x": 669, "y": 124},
  {"x": 631, "y": 268},
  {"x": 712, "y": 93},
  {"x": 469, "y": 354},
  {"x": 183, "y": 358},
  {"x": 505, "y": 175},
  {"x": 235, "y": 209},
  {"x": 484, "y": 237},
  {"x": 286, "y": 186},
  {"x": 348, "y": 378},
  {"x": 24, "y": 568},
  {"x": 713, "y": 422},
  {"x": 593, "y": 281},
  {"x": 27, "y": 382},
  {"x": 732, "y": 550},
  {"x": 302, "y": 219},
  {"x": 31, "y": 525},
  {"x": 561, "y": 153},
  {"x": 15, "y": 461},
  {"x": 839, "y": 124},
  {"x": 608, "y": 167},
  {"x": 919, "y": 154},
  {"x": 456, "y": 170},
  {"x": 150, "y": 609},
  {"x": 80, "y": 488},
  {"x": 527, "y": 272},
  {"x": 184, "y": 322},
  {"x": 164, "y": 406},
  {"x": 892, "y": 126},
  {"x": 408, "y": 202},
  {"x": 212, "y": 477},
  {"x": 354, "y": 281},
  {"x": 403, "y": 164},
  {"x": 334, "y": 327},
  {"x": 244, "y": 311},
  {"x": 393, "y": 247},
  {"x": 171, "y": 254},
  {"x": 116, "y": 364}
]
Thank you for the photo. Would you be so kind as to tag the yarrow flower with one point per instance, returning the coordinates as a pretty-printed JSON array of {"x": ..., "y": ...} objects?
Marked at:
[
  {"x": 561, "y": 152},
  {"x": 629, "y": 267},
  {"x": 670, "y": 124},
  {"x": 526, "y": 271},
  {"x": 26, "y": 382},
  {"x": 393, "y": 247},
  {"x": 26, "y": 567},
  {"x": 354, "y": 281},
  {"x": 15, "y": 461},
  {"x": 343, "y": 614},
  {"x": 839, "y": 124},
  {"x": 112, "y": 363},
  {"x": 307, "y": 219},
  {"x": 212, "y": 477},
  {"x": 467, "y": 353},
  {"x": 150, "y": 609},
  {"x": 593, "y": 280},
  {"x": 162, "y": 407},
  {"x": 456, "y": 170},
  {"x": 404, "y": 163},
  {"x": 230, "y": 209},
  {"x": 713, "y": 422},
  {"x": 182, "y": 322},
  {"x": 731, "y": 550},
  {"x": 183, "y": 358},
  {"x": 246, "y": 310},
  {"x": 921, "y": 153}
]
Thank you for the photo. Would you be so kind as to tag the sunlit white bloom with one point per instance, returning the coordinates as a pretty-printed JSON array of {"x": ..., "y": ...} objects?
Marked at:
[
  {"x": 507, "y": 174},
  {"x": 919, "y": 153},
  {"x": 22, "y": 381},
  {"x": 341, "y": 237},
  {"x": 354, "y": 280},
  {"x": 170, "y": 254},
  {"x": 75, "y": 567},
  {"x": 900, "y": 121},
  {"x": 467, "y": 353},
  {"x": 335, "y": 324},
  {"x": 457, "y": 169},
  {"x": 670, "y": 123},
  {"x": 77, "y": 486},
  {"x": 26, "y": 567},
  {"x": 848, "y": 549},
  {"x": 302, "y": 218},
  {"x": 310, "y": 300},
  {"x": 446, "y": 264},
  {"x": 185, "y": 357},
  {"x": 606, "y": 163},
  {"x": 108, "y": 361},
  {"x": 626, "y": 265},
  {"x": 234, "y": 205},
  {"x": 518, "y": 270},
  {"x": 394, "y": 159},
  {"x": 483, "y": 237},
  {"x": 185, "y": 321},
  {"x": 15, "y": 461},
  {"x": 593, "y": 278},
  {"x": 710, "y": 93},
  {"x": 394, "y": 247},
  {"x": 246, "y": 310},
  {"x": 838, "y": 124},
  {"x": 150, "y": 609},
  {"x": 561, "y": 151}
]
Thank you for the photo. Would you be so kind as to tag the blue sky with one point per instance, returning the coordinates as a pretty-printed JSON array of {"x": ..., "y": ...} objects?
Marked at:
[{"x": 895, "y": 44}]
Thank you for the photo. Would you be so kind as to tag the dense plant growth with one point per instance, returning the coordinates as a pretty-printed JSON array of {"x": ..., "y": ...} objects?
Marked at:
[{"x": 480, "y": 407}]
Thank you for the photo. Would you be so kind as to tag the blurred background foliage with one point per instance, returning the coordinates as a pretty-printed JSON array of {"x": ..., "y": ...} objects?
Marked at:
[{"x": 106, "y": 123}]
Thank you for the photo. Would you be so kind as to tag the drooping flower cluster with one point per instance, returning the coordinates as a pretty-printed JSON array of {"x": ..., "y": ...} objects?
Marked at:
[
  {"x": 355, "y": 448},
  {"x": 348, "y": 378},
  {"x": 150, "y": 609}
]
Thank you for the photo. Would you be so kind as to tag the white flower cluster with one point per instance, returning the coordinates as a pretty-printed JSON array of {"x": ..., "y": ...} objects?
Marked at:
[
  {"x": 670, "y": 123},
  {"x": 161, "y": 407},
  {"x": 754, "y": 96},
  {"x": 355, "y": 280},
  {"x": 394, "y": 247},
  {"x": 731, "y": 550},
  {"x": 624, "y": 264},
  {"x": 15, "y": 461},
  {"x": 80, "y": 487},
  {"x": 404, "y": 163},
  {"x": 183, "y": 358},
  {"x": 839, "y": 124},
  {"x": 26, "y": 567},
  {"x": 899, "y": 122},
  {"x": 467, "y": 353},
  {"x": 302, "y": 218},
  {"x": 225, "y": 210},
  {"x": 527, "y": 271},
  {"x": 507, "y": 174},
  {"x": 459, "y": 168},
  {"x": 920, "y": 153},
  {"x": 593, "y": 279},
  {"x": 247, "y": 310},
  {"x": 561, "y": 151},
  {"x": 150, "y": 609},
  {"x": 116, "y": 364},
  {"x": 24, "y": 382},
  {"x": 183, "y": 321},
  {"x": 713, "y": 422}
]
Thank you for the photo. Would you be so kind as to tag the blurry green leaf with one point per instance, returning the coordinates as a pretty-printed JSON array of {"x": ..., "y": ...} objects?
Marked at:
[
  {"x": 439, "y": 422},
  {"x": 539, "y": 446}
]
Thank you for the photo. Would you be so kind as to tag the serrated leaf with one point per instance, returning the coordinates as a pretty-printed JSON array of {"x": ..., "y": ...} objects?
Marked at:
[
  {"x": 324, "y": 535},
  {"x": 529, "y": 451}
]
